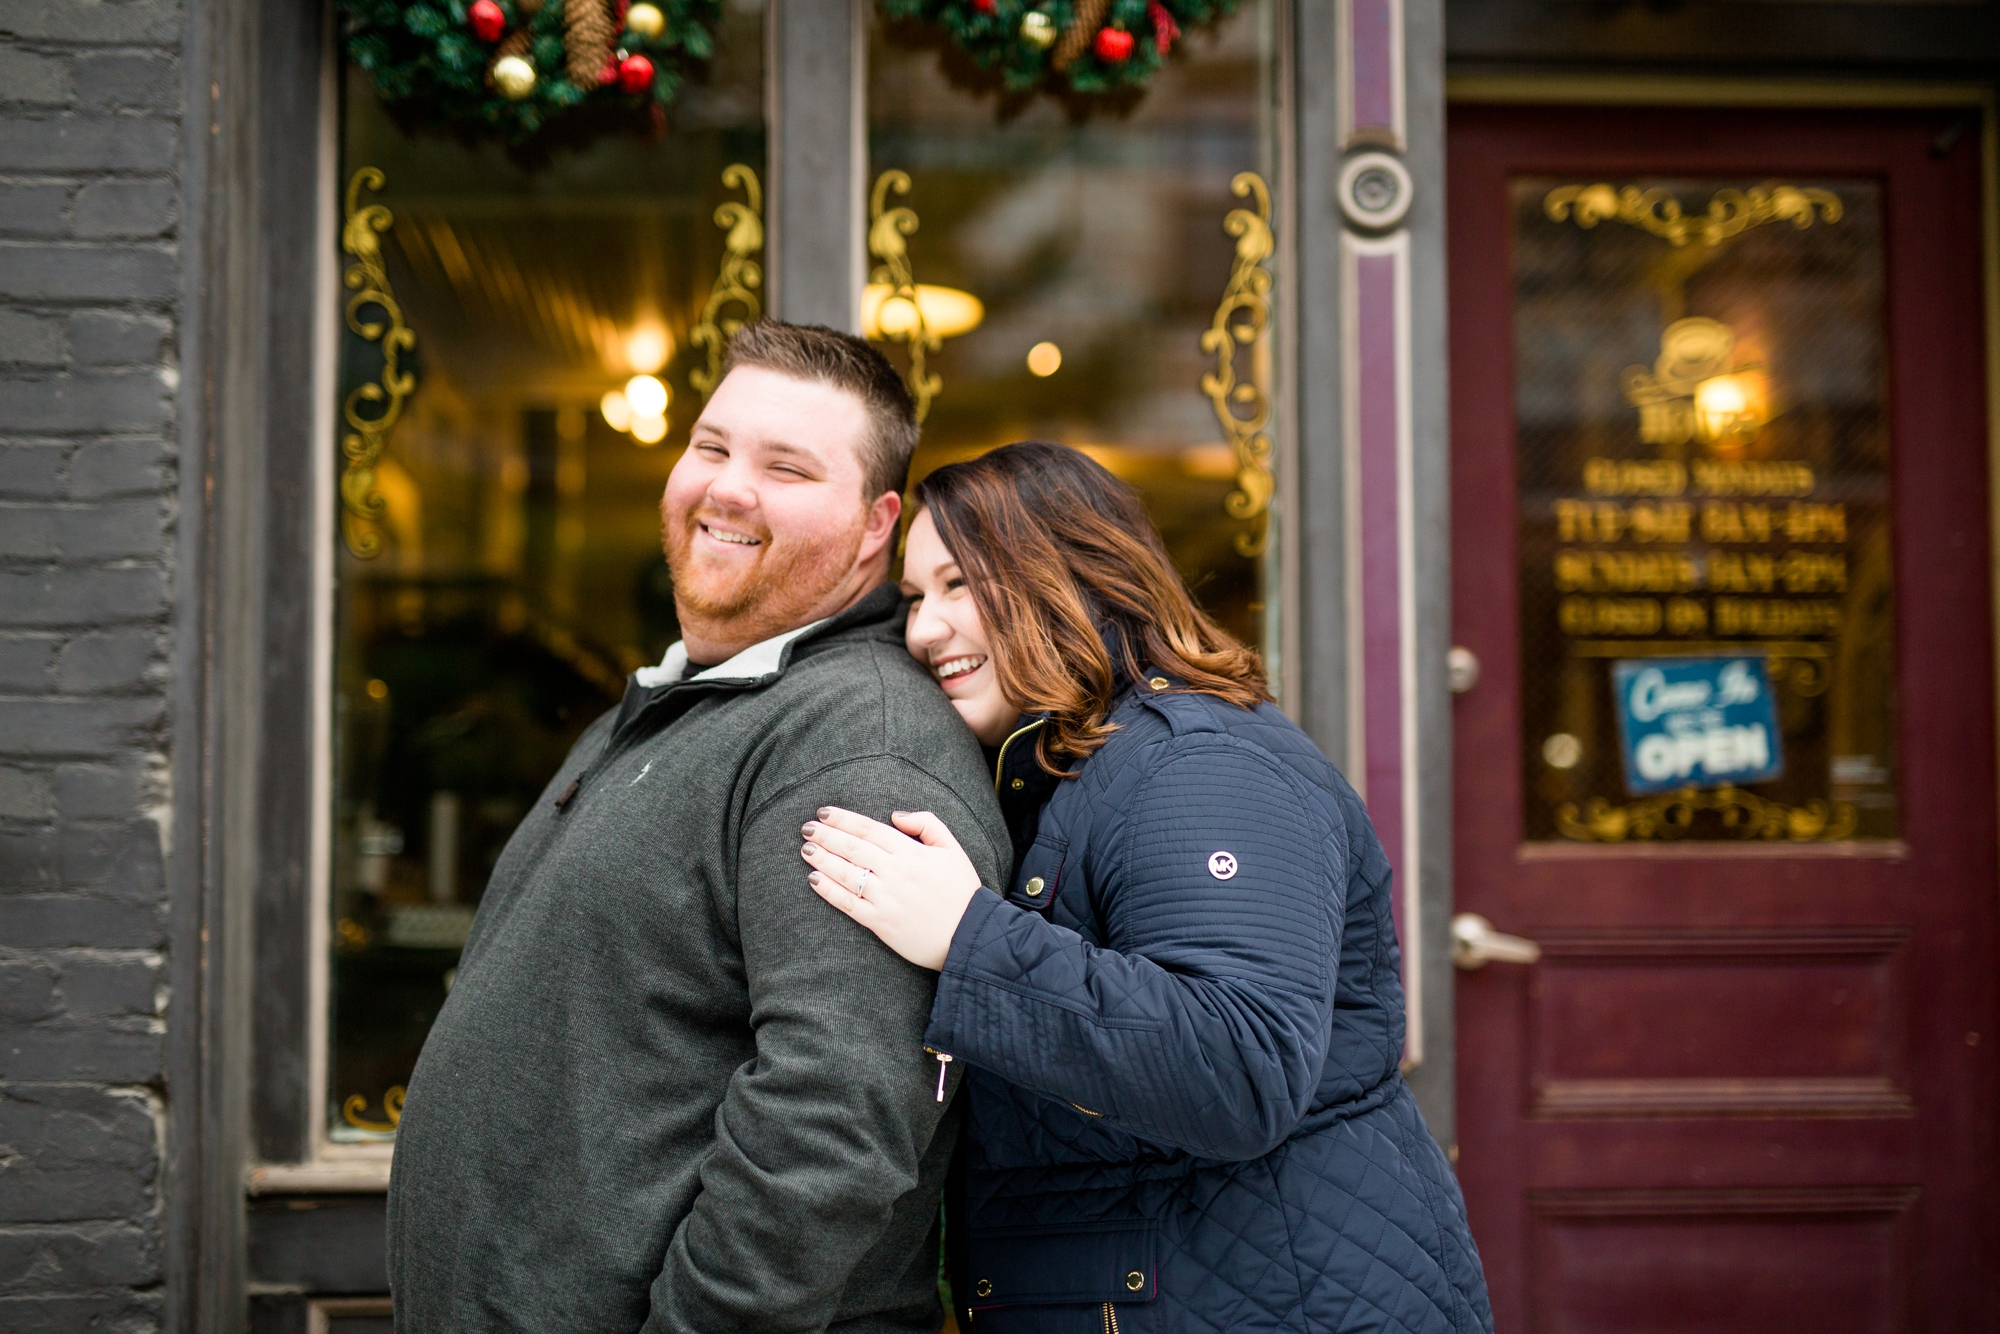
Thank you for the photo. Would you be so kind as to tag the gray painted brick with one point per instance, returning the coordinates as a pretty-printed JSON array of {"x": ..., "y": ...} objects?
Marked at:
[
  {"x": 117, "y": 859},
  {"x": 33, "y": 210},
  {"x": 96, "y": 988},
  {"x": 124, "y": 208},
  {"x": 118, "y": 79},
  {"x": 78, "y": 921},
  {"x": 46, "y": 271},
  {"x": 30, "y": 858},
  {"x": 115, "y": 660},
  {"x": 82, "y": 597},
  {"x": 117, "y": 338},
  {"x": 81, "y": 728},
  {"x": 96, "y": 1313},
  {"x": 86, "y": 143},
  {"x": 76, "y": 1125},
  {"x": 99, "y": 791},
  {"x": 31, "y": 470},
  {"x": 27, "y": 532},
  {"x": 104, "y": 401},
  {"x": 32, "y": 340},
  {"x": 112, "y": 529},
  {"x": 116, "y": 1051},
  {"x": 26, "y": 794},
  {"x": 77, "y": 1259},
  {"x": 26, "y": 76},
  {"x": 67, "y": 21},
  {"x": 30, "y": 1193},
  {"x": 27, "y": 991},
  {"x": 120, "y": 467}
]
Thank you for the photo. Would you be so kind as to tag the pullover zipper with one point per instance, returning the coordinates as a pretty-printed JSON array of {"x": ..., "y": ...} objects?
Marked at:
[{"x": 943, "y": 1060}]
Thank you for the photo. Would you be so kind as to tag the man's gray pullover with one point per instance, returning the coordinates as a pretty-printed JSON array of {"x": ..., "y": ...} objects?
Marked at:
[{"x": 672, "y": 1089}]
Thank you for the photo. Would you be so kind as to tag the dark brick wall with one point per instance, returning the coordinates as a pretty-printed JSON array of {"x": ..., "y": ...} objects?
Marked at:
[{"x": 89, "y": 270}]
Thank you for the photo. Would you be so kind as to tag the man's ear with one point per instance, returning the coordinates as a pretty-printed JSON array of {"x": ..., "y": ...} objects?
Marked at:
[{"x": 880, "y": 533}]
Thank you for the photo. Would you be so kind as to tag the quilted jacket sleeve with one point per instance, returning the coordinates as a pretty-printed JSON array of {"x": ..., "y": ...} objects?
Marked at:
[{"x": 1202, "y": 1022}]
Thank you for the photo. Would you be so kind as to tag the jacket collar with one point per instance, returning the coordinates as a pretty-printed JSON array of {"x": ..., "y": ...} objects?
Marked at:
[{"x": 768, "y": 659}]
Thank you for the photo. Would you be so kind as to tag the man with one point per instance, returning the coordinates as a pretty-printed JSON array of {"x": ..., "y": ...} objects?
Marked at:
[{"x": 672, "y": 1090}]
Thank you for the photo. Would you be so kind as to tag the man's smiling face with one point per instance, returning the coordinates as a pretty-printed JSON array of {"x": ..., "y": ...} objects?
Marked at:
[{"x": 764, "y": 519}]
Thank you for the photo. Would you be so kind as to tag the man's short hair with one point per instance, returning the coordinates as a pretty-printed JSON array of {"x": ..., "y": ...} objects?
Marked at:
[{"x": 828, "y": 356}]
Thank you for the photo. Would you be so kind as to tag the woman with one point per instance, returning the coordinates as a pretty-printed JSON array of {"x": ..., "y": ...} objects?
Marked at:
[{"x": 1181, "y": 1022}]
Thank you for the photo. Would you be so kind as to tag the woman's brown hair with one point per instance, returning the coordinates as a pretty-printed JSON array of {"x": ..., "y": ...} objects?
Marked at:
[{"x": 1057, "y": 552}]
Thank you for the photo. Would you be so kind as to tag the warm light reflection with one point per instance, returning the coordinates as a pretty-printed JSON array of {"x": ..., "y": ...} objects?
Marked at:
[
  {"x": 647, "y": 348},
  {"x": 617, "y": 412},
  {"x": 1044, "y": 359},
  {"x": 647, "y": 395},
  {"x": 649, "y": 430},
  {"x": 1731, "y": 409},
  {"x": 947, "y": 312}
]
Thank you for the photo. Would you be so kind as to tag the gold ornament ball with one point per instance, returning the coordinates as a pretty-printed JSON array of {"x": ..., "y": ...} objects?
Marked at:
[
  {"x": 514, "y": 77},
  {"x": 1038, "y": 29},
  {"x": 645, "y": 19}
]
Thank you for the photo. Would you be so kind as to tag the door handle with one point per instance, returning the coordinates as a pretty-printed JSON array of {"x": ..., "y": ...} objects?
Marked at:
[{"x": 1474, "y": 944}]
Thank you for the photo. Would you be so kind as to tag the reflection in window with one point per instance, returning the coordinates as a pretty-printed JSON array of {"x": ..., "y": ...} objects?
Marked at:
[
  {"x": 519, "y": 576},
  {"x": 1095, "y": 249},
  {"x": 1703, "y": 454}
]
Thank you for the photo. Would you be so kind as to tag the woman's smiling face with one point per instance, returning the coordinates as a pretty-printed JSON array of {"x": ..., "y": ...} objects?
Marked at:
[{"x": 946, "y": 634}]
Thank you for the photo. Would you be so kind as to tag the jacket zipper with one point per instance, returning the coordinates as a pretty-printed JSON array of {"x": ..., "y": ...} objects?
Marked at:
[
  {"x": 944, "y": 1060},
  {"x": 1110, "y": 1319},
  {"x": 1001, "y": 763}
]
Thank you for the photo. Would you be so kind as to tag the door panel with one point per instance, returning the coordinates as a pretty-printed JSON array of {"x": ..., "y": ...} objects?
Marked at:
[{"x": 1751, "y": 1081}]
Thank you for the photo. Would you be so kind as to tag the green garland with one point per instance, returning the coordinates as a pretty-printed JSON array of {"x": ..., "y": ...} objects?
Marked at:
[
  {"x": 431, "y": 67},
  {"x": 1065, "y": 44}
]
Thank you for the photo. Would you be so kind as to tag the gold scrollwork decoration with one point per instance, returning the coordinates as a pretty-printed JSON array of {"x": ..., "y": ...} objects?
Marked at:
[
  {"x": 738, "y": 279},
  {"x": 392, "y": 1108},
  {"x": 887, "y": 230},
  {"x": 1730, "y": 213},
  {"x": 1242, "y": 320},
  {"x": 362, "y": 507},
  {"x": 1669, "y": 815}
]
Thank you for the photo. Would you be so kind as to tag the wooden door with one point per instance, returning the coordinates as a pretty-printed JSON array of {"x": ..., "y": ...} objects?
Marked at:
[{"x": 1718, "y": 394}]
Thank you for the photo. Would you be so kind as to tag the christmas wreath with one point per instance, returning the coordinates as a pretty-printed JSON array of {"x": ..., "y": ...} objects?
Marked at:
[
  {"x": 1087, "y": 46},
  {"x": 513, "y": 67}
]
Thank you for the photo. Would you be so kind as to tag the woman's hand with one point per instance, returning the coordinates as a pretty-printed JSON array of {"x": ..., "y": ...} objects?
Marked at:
[{"x": 909, "y": 885}]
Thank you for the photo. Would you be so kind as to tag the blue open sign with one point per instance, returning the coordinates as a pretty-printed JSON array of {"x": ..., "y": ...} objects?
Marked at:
[{"x": 1696, "y": 722}]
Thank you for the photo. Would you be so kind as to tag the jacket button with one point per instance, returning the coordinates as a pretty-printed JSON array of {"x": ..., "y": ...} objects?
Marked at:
[
  {"x": 1135, "y": 1280},
  {"x": 984, "y": 1287},
  {"x": 1020, "y": 783},
  {"x": 1033, "y": 888},
  {"x": 1159, "y": 683}
]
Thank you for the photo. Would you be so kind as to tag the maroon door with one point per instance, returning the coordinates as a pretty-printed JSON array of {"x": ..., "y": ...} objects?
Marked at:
[{"x": 1718, "y": 395}]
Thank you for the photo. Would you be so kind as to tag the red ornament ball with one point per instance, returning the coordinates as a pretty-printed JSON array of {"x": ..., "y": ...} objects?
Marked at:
[
  {"x": 1112, "y": 45},
  {"x": 488, "y": 20},
  {"x": 986, "y": 6},
  {"x": 635, "y": 74}
]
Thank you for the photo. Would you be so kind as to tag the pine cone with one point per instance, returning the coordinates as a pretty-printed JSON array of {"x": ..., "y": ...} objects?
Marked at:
[
  {"x": 1076, "y": 38},
  {"x": 587, "y": 33}
]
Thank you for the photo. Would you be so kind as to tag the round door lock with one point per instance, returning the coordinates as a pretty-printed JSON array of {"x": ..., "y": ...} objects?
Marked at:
[
  {"x": 1033, "y": 889},
  {"x": 1135, "y": 1281},
  {"x": 984, "y": 1287}
]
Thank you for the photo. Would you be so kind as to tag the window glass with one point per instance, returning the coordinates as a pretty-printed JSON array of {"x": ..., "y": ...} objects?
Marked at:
[
  {"x": 1706, "y": 593},
  {"x": 1094, "y": 242},
  {"x": 513, "y": 575}
]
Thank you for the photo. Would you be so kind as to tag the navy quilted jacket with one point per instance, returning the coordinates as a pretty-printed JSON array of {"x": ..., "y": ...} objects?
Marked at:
[{"x": 1181, "y": 1028}]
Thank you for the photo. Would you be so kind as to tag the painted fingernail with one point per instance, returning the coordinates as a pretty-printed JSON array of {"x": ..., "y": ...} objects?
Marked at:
[
  {"x": 805, "y": 849},
  {"x": 809, "y": 828},
  {"x": 813, "y": 878},
  {"x": 825, "y": 811}
]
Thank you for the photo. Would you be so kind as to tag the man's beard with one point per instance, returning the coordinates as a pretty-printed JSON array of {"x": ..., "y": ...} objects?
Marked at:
[{"x": 787, "y": 582}]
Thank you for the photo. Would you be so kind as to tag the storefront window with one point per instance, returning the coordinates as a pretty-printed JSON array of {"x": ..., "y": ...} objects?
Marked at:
[
  {"x": 512, "y": 577},
  {"x": 1707, "y": 607},
  {"x": 1093, "y": 245}
]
